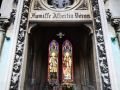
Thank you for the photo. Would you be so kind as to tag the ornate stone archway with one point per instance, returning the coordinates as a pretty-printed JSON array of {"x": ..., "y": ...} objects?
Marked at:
[{"x": 100, "y": 44}]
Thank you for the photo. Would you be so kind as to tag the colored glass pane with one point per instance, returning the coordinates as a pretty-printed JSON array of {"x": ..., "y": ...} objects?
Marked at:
[
  {"x": 53, "y": 62},
  {"x": 67, "y": 62}
]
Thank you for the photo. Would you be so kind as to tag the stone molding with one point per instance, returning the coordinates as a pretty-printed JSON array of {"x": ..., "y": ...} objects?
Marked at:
[
  {"x": 19, "y": 47},
  {"x": 101, "y": 49}
]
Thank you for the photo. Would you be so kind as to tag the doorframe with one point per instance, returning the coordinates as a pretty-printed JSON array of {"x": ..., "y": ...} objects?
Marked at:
[{"x": 96, "y": 63}]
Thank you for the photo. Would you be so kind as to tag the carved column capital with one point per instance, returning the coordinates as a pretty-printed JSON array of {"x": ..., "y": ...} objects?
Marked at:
[{"x": 115, "y": 22}]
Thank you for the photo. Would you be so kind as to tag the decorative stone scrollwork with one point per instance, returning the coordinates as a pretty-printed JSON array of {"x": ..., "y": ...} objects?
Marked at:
[
  {"x": 19, "y": 47},
  {"x": 102, "y": 57},
  {"x": 83, "y": 6},
  {"x": 37, "y": 5}
]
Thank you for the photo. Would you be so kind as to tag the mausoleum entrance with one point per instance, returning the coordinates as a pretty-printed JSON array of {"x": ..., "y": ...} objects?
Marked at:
[{"x": 56, "y": 44}]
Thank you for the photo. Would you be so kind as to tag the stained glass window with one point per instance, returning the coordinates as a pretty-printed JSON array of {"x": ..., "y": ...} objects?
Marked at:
[
  {"x": 60, "y": 3},
  {"x": 53, "y": 62},
  {"x": 67, "y": 62}
]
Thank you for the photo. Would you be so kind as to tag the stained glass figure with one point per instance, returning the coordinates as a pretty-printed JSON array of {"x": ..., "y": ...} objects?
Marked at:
[
  {"x": 67, "y": 62},
  {"x": 53, "y": 62}
]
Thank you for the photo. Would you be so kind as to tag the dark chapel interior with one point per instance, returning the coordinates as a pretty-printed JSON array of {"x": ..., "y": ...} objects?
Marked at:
[{"x": 37, "y": 61}]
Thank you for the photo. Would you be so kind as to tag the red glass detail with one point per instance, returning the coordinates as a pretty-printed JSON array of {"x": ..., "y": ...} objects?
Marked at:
[{"x": 67, "y": 62}]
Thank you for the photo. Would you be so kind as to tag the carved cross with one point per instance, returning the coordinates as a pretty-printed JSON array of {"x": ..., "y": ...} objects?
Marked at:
[{"x": 60, "y": 34}]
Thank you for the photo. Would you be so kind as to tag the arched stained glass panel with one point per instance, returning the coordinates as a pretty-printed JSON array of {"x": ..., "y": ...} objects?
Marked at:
[
  {"x": 53, "y": 62},
  {"x": 67, "y": 62}
]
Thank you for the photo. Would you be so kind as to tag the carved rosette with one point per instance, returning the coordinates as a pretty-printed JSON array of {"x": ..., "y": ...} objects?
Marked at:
[
  {"x": 19, "y": 47},
  {"x": 102, "y": 57}
]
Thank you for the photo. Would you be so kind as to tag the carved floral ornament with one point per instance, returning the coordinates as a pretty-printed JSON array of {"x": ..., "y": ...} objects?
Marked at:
[{"x": 60, "y": 5}]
